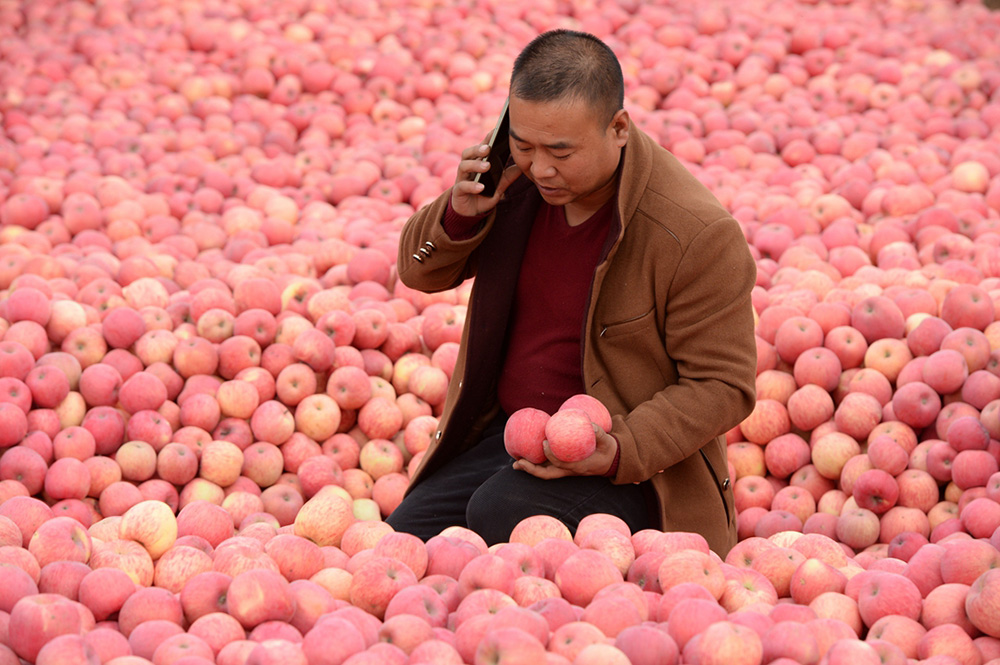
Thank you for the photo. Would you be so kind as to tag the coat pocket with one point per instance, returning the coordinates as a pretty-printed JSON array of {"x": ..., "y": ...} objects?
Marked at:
[{"x": 642, "y": 322}]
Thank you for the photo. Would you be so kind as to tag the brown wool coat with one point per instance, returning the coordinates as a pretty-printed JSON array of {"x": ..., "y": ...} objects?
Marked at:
[{"x": 669, "y": 340}]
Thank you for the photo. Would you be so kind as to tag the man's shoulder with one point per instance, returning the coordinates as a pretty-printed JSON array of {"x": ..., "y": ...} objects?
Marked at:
[{"x": 668, "y": 194}]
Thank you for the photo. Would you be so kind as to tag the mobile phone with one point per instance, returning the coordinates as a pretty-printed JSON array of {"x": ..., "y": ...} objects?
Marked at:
[{"x": 499, "y": 143}]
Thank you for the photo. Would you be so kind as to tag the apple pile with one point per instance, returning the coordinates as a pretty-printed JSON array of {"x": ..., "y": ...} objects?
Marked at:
[{"x": 213, "y": 388}]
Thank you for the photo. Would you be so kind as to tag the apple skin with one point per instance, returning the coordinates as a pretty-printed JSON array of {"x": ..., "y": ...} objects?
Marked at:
[
  {"x": 570, "y": 434},
  {"x": 598, "y": 413},
  {"x": 524, "y": 434}
]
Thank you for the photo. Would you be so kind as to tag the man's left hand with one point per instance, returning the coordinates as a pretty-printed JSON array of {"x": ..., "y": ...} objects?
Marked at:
[{"x": 597, "y": 464}]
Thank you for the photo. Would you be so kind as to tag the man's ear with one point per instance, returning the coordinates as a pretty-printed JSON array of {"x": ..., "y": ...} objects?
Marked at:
[{"x": 619, "y": 125}]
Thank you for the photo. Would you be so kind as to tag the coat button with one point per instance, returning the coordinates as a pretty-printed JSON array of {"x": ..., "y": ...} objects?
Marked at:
[
  {"x": 725, "y": 484},
  {"x": 437, "y": 435}
]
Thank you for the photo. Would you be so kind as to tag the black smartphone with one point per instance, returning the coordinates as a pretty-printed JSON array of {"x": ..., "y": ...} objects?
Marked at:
[{"x": 499, "y": 143}]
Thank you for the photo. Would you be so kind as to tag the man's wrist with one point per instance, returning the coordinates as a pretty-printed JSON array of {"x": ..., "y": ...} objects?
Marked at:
[
  {"x": 458, "y": 226},
  {"x": 613, "y": 470}
]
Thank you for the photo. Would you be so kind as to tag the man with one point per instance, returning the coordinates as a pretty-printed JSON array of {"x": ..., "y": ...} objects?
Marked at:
[{"x": 601, "y": 266}]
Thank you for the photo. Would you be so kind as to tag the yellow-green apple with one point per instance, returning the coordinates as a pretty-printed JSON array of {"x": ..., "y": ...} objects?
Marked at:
[
  {"x": 775, "y": 384},
  {"x": 152, "y": 524},
  {"x": 429, "y": 383},
  {"x": 831, "y": 451},
  {"x": 536, "y": 528},
  {"x": 221, "y": 462},
  {"x": 324, "y": 518},
  {"x": 317, "y": 416},
  {"x": 379, "y": 457}
]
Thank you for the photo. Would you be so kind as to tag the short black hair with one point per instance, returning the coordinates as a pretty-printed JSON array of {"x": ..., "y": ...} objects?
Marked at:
[{"x": 567, "y": 64}]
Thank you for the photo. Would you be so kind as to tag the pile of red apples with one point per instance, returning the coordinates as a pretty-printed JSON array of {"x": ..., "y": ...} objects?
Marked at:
[{"x": 213, "y": 388}]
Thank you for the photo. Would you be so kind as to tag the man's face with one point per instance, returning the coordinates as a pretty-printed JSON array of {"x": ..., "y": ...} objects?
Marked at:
[{"x": 567, "y": 150}]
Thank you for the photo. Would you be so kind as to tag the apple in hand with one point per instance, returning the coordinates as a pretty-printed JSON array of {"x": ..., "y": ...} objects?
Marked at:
[
  {"x": 571, "y": 436},
  {"x": 524, "y": 434},
  {"x": 592, "y": 406}
]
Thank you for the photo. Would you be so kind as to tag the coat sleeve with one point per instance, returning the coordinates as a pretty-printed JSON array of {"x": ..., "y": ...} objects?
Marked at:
[
  {"x": 429, "y": 260},
  {"x": 709, "y": 337}
]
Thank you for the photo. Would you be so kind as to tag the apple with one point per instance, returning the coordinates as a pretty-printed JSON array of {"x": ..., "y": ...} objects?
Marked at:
[
  {"x": 570, "y": 435},
  {"x": 524, "y": 434}
]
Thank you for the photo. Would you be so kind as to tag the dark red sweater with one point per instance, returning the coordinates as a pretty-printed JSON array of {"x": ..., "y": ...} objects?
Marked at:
[{"x": 542, "y": 366}]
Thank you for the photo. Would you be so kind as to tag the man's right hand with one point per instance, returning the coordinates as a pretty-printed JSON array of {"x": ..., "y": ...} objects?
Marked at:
[{"x": 465, "y": 195}]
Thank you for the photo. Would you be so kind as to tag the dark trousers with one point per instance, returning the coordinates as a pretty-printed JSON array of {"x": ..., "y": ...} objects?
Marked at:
[{"x": 481, "y": 491}]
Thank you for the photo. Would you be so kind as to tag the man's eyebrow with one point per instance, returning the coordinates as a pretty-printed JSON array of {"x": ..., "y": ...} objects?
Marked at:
[{"x": 558, "y": 145}]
